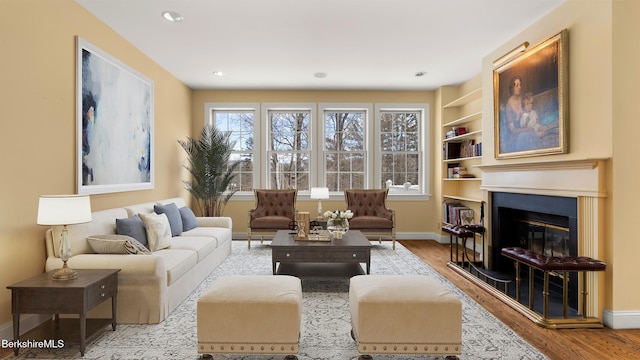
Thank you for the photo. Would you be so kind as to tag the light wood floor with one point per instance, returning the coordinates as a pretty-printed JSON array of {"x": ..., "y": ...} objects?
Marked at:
[{"x": 594, "y": 344}]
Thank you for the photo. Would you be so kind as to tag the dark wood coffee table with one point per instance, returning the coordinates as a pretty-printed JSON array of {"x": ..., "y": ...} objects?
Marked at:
[
  {"x": 321, "y": 259},
  {"x": 43, "y": 295}
]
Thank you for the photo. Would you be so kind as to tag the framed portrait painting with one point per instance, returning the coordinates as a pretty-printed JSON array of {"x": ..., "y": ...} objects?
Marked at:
[
  {"x": 114, "y": 114},
  {"x": 531, "y": 102}
]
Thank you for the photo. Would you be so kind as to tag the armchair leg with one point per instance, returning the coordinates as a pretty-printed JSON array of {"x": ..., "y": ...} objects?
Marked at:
[{"x": 249, "y": 240}]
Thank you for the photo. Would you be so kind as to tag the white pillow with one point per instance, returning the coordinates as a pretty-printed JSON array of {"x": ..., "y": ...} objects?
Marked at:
[
  {"x": 158, "y": 230},
  {"x": 116, "y": 244}
]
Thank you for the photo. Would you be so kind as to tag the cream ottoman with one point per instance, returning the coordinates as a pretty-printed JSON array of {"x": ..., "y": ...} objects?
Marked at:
[
  {"x": 250, "y": 314},
  {"x": 404, "y": 314}
]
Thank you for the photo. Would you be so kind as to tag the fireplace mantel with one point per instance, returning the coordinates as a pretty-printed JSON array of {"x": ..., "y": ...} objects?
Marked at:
[{"x": 573, "y": 178}]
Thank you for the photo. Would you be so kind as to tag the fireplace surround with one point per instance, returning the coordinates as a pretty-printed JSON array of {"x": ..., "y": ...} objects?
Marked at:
[{"x": 578, "y": 185}]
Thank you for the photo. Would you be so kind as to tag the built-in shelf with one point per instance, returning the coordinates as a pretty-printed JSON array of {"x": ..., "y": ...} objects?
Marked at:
[
  {"x": 463, "y": 120},
  {"x": 462, "y": 159},
  {"x": 463, "y": 136},
  {"x": 461, "y": 198},
  {"x": 465, "y": 99},
  {"x": 463, "y": 193}
]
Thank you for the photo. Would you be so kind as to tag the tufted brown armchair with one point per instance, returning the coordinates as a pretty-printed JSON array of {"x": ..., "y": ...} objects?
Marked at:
[
  {"x": 370, "y": 213},
  {"x": 274, "y": 210}
]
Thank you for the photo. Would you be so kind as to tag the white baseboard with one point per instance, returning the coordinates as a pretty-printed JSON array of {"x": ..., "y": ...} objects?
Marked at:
[
  {"x": 621, "y": 319},
  {"x": 27, "y": 322}
]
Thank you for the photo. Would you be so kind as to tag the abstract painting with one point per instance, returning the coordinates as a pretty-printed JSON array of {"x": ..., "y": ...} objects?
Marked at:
[{"x": 114, "y": 108}]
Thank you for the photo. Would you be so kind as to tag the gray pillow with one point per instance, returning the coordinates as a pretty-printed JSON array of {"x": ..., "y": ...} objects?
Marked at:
[
  {"x": 189, "y": 220},
  {"x": 116, "y": 244},
  {"x": 133, "y": 227},
  {"x": 173, "y": 214}
]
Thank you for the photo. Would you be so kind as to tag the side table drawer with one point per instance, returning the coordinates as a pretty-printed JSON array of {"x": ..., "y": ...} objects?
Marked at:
[{"x": 102, "y": 290}]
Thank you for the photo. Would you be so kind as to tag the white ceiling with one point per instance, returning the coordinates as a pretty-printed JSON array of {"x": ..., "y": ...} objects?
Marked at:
[{"x": 359, "y": 44}]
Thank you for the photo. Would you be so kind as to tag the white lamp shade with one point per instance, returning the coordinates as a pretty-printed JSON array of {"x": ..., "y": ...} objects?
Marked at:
[
  {"x": 64, "y": 209},
  {"x": 319, "y": 193}
]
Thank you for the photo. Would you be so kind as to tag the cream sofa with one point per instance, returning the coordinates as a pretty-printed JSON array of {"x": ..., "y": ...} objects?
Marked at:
[{"x": 150, "y": 286}]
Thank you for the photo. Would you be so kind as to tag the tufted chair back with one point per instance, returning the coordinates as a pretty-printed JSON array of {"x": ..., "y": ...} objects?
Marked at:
[
  {"x": 370, "y": 202},
  {"x": 275, "y": 210},
  {"x": 275, "y": 203},
  {"x": 370, "y": 213}
]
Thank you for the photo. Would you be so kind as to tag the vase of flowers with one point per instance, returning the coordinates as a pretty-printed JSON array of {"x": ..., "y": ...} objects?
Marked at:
[{"x": 338, "y": 222}]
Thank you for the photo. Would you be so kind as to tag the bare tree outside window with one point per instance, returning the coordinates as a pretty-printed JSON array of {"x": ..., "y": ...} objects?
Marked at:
[
  {"x": 344, "y": 149},
  {"x": 400, "y": 140},
  {"x": 289, "y": 152},
  {"x": 239, "y": 124}
]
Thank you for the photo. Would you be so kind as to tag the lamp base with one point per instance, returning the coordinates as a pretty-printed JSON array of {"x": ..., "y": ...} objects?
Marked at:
[{"x": 65, "y": 273}]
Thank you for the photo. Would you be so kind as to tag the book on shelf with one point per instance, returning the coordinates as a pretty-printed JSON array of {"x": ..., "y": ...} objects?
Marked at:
[
  {"x": 458, "y": 171},
  {"x": 467, "y": 148},
  {"x": 457, "y": 214},
  {"x": 450, "y": 167},
  {"x": 451, "y": 150}
]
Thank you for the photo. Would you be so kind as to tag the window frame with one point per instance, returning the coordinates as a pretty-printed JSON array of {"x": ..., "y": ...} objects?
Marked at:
[
  {"x": 265, "y": 108},
  {"x": 424, "y": 124},
  {"x": 367, "y": 108},
  {"x": 210, "y": 107}
]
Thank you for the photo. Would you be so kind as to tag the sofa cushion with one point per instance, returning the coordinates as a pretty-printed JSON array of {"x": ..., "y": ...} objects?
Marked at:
[
  {"x": 178, "y": 262},
  {"x": 158, "y": 230},
  {"x": 173, "y": 215},
  {"x": 189, "y": 220},
  {"x": 221, "y": 234},
  {"x": 202, "y": 245},
  {"x": 134, "y": 227},
  {"x": 116, "y": 244}
]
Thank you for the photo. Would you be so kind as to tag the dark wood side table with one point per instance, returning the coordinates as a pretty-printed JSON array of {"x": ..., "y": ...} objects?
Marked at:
[{"x": 43, "y": 295}]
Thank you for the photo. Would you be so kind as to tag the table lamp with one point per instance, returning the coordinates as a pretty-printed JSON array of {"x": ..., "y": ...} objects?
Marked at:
[
  {"x": 56, "y": 210},
  {"x": 319, "y": 193}
]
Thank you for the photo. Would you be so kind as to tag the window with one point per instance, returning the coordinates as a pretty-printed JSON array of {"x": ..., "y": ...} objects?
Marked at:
[
  {"x": 344, "y": 148},
  {"x": 288, "y": 163},
  {"x": 239, "y": 121},
  {"x": 334, "y": 145},
  {"x": 403, "y": 160}
]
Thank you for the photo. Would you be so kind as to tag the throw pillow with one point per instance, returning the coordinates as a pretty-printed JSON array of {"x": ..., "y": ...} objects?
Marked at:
[
  {"x": 133, "y": 227},
  {"x": 189, "y": 220},
  {"x": 158, "y": 230},
  {"x": 173, "y": 214},
  {"x": 116, "y": 244}
]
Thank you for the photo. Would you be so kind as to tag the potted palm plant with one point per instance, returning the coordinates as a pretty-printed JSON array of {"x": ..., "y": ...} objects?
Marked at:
[{"x": 212, "y": 172}]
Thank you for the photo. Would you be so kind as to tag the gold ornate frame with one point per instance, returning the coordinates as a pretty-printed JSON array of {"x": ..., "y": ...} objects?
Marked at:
[{"x": 542, "y": 72}]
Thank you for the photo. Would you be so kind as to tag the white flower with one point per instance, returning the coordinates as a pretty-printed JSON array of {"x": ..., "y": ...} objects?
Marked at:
[{"x": 347, "y": 214}]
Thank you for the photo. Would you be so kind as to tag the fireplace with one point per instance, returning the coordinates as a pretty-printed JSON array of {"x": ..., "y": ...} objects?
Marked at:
[
  {"x": 547, "y": 225},
  {"x": 578, "y": 190}
]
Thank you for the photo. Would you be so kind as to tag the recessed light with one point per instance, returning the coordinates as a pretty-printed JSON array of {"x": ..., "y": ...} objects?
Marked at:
[
  {"x": 218, "y": 73},
  {"x": 420, "y": 73},
  {"x": 172, "y": 16},
  {"x": 320, "y": 75}
]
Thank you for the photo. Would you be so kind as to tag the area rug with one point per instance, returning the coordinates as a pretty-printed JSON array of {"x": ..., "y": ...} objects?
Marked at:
[{"x": 325, "y": 332}]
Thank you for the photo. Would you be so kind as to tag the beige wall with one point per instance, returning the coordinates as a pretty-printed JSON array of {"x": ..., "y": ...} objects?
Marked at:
[
  {"x": 37, "y": 105},
  {"x": 411, "y": 215},
  {"x": 625, "y": 245}
]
